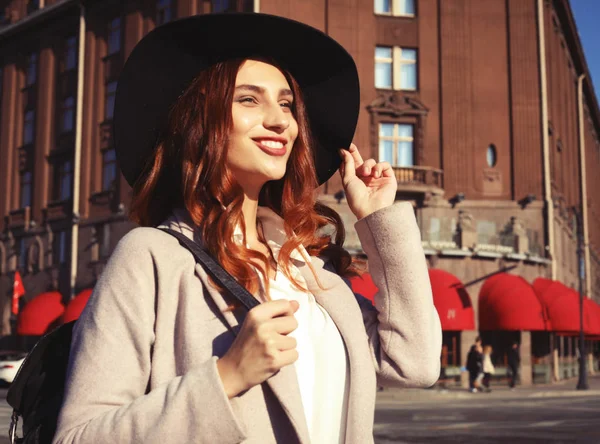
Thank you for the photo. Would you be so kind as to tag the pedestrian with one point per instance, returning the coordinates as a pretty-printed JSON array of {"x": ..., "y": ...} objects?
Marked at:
[
  {"x": 475, "y": 364},
  {"x": 224, "y": 125},
  {"x": 488, "y": 367},
  {"x": 514, "y": 359}
]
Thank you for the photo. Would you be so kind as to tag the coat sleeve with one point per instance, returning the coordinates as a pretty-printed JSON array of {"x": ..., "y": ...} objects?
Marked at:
[
  {"x": 107, "y": 397},
  {"x": 404, "y": 327}
]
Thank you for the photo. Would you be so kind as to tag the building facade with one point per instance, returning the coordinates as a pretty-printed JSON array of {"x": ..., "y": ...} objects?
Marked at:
[{"x": 485, "y": 109}]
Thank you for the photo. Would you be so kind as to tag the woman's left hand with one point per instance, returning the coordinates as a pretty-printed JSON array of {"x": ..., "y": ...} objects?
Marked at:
[{"x": 369, "y": 186}]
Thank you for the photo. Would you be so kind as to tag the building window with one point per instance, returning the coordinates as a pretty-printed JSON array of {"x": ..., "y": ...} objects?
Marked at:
[
  {"x": 395, "y": 7},
  {"x": 109, "y": 169},
  {"x": 109, "y": 100},
  {"x": 28, "y": 127},
  {"x": 70, "y": 54},
  {"x": 232, "y": 6},
  {"x": 63, "y": 179},
  {"x": 26, "y": 188},
  {"x": 31, "y": 69},
  {"x": 396, "y": 144},
  {"x": 22, "y": 254},
  {"x": 164, "y": 11},
  {"x": 491, "y": 156},
  {"x": 32, "y": 6},
  {"x": 395, "y": 68},
  {"x": 114, "y": 36},
  {"x": 67, "y": 115},
  {"x": 59, "y": 247}
]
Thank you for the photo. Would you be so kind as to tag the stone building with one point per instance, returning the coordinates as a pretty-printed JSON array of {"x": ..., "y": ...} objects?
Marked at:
[{"x": 485, "y": 108}]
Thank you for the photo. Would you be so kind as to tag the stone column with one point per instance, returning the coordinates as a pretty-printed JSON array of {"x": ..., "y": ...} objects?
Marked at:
[{"x": 526, "y": 365}]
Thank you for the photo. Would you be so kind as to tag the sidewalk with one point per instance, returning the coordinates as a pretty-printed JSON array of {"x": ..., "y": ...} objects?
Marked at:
[{"x": 565, "y": 388}]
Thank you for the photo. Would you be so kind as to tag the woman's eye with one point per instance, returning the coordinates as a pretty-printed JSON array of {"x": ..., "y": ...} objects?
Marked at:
[
  {"x": 247, "y": 100},
  {"x": 286, "y": 105}
]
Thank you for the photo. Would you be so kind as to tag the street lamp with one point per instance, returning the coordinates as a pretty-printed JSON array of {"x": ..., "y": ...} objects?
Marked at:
[{"x": 582, "y": 383}]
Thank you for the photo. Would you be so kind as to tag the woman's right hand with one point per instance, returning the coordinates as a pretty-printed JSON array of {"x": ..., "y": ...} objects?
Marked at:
[{"x": 261, "y": 348}]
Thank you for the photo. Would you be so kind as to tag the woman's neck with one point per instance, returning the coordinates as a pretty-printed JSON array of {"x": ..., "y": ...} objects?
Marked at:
[{"x": 250, "y": 211}]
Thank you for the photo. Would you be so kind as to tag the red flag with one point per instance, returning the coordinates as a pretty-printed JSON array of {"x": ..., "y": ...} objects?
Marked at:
[{"x": 18, "y": 291}]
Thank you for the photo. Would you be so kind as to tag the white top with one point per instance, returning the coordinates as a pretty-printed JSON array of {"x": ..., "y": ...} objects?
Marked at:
[
  {"x": 322, "y": 365},
  {"x": 488, "y": 367}
]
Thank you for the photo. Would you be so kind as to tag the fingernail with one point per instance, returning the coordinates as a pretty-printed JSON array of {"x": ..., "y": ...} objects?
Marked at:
[{"x": 341, "y": 151}]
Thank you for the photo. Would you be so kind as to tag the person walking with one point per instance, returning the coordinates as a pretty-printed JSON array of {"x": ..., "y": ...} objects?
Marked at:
[
  {"x": 475, "y": 364},
  {"x": 514, "y": 359},
  {"x": 488, "y": 367},
  {"x": 224, "y": 126}
]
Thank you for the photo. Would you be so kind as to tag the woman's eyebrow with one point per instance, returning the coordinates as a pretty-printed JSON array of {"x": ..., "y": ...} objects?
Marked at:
[{"x": 261, "y": 90}]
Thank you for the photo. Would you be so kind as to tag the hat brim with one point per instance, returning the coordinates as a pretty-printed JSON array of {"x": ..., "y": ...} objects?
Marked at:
[{"x": 167, "y": 59}]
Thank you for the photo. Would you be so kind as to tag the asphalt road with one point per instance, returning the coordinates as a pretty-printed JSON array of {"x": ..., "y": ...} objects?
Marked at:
[
  {"x": 509, "y": 417},
  {"x": 425, "y": 416}
]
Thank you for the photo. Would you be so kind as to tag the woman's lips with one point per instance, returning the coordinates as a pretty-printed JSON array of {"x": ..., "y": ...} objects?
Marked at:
[{"x": 271, "y": 147}]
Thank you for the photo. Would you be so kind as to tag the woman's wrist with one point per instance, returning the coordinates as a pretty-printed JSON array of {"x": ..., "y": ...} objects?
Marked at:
[{"x": 229, "y": 377}]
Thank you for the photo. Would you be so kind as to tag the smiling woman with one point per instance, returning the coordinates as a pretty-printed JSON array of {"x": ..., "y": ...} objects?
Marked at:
[{"x": 212, "y": 132}]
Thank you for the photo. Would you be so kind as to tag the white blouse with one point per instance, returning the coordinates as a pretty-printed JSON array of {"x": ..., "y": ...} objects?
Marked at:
[{"x": 322, "y": 365}]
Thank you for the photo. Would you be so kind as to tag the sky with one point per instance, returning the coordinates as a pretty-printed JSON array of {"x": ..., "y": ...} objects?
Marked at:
[{"x": 587, "y": 17}]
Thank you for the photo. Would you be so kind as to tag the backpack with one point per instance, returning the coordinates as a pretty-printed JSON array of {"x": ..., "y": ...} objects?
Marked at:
[{"x": 37, "y": 391}]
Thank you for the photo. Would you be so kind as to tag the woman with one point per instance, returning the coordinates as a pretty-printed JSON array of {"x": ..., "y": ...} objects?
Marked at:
[
  {"x": 488, "y": 367},
  {"x": 212, "y": 131}
]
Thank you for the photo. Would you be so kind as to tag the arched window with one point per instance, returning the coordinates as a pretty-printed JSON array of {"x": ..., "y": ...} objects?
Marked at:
[{"x": 492, "y": 155}]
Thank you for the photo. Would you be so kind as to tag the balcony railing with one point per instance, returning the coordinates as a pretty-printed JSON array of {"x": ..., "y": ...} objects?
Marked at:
[{"x": 419, "y": 177}]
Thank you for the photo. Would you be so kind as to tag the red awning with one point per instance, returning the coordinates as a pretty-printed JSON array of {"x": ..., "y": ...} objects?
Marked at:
[
  {"x": 509, "y": 302},
  {"x": 562, "y": 306},
  {"x": 77, "y": 305},
  {"x": 364, "y": 286},
  {"x": 40, "y": 314},
  {"x": 452, "y": 301}
]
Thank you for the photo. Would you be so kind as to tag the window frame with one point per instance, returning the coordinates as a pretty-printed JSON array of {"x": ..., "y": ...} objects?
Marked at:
[
  {"x": 112, "y": 163},
  {"x": 22, "y": 184},
  {"x": 396, "y": 138},
  {"x": 396, "y": 9},
  {"x": 162, "y": 9},
  {"x": 59, "y": 174},
  {"x": 397, "y": 62},
  {"x": 109, "y": 33}
]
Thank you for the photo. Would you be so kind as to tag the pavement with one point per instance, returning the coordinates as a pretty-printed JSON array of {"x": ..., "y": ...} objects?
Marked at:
[
  {"x": 565, "y": 388},
  {"x": 556, "y": 413}
]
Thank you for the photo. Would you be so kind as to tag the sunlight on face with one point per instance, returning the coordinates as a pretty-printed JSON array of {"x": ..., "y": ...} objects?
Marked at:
[{"x": 264, "y": 128}]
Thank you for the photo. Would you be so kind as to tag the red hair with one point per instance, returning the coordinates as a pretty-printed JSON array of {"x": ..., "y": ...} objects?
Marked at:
[{"x": 188, "y": 169}]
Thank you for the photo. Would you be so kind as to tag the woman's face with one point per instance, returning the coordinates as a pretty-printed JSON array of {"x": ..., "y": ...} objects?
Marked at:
[{"x": 264, "y": 129}]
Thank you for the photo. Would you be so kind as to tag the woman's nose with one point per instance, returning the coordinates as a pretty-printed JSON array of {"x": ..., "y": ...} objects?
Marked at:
[{"x": 276, "y": 119}]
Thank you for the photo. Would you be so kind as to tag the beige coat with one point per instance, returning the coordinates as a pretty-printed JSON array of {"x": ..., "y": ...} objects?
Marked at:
[{"x": 143, "y": 356}]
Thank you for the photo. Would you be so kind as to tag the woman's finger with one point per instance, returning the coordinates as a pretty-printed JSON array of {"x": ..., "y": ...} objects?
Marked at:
[
  {"x": 286, "y": 343},
  {"x": 386, "y": 169},
  {"x": 358, "y": 160},
  {"x": 366, "y": 169},
  {"x": 347, "y": 168}
]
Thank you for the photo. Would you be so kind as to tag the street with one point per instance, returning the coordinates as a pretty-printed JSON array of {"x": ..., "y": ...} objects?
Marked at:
[{"x": 549, "y": 414}]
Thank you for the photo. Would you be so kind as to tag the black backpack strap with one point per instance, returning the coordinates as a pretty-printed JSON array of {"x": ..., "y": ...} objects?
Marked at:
[{"x": 221, "y": 277}]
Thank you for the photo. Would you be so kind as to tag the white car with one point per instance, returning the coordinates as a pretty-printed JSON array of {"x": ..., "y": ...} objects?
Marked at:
[{"x": 10, "y": 362}]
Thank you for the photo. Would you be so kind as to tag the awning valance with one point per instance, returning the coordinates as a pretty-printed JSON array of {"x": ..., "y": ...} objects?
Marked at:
[
  {"x": 452, "y": 301},
  {"x": 364, "y": 286},
  {"x": 40, "y": 314},
  {"x": 509, "y": 302},
  {"x": 76, "y": 306},
  {"x": 562, "y": 305}
]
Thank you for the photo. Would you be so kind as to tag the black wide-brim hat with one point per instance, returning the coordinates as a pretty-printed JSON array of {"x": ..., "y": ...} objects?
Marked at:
[{"x": 166, "y": 60}]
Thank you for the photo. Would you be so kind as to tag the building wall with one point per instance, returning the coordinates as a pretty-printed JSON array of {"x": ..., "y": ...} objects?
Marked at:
[{"x": 478, "y": 84}]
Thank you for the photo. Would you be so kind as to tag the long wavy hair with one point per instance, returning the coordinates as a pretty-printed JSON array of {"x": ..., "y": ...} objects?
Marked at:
[{"x": 188, "y": 169}]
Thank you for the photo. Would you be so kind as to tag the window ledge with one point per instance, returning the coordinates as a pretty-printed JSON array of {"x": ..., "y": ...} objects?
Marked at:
[{"x": 102, "y": 198}]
